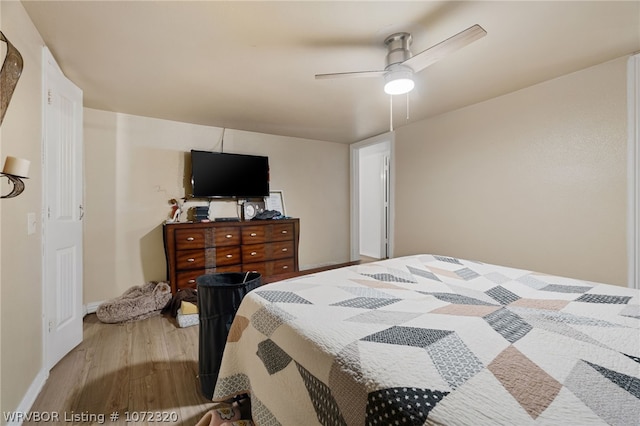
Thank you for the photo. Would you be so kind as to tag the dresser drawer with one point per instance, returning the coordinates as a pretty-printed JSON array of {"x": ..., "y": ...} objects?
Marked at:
[
  {"x": 255, "y": 253},
  {"x": 187, "y": 279},
  {"x": 282, "y": 232},
  {"x": 271, "y": 267},
  {"x": 254, "y": 234},
  {"x": 207, "y": 237},
  {"x": 228, "y": 255},
  {"x": 282, "y": 266},
  {"x": 207, "y": 258},
  {"x": 259, "y": 267},
  {"x": 281, "y": 250},
  {"x": 226, "y": 236},
  {"x": 267, "y": 251},
  {"x": 190, "y": 239}
]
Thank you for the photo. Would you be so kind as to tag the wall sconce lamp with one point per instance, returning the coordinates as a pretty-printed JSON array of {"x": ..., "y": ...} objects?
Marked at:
[{"x": 15, "y": 169}]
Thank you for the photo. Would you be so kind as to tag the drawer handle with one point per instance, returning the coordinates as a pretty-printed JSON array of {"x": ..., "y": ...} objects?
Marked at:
[
  {"x": 253, "y": 253},
  {"x": 191, "y": 281},
  {"x": 228, "y": 236},
  {"x": 285, "y": 267},
  {"x": 285, "y": 232},
  {"x": 253, "y": 234},
  {"x": 229, "y": 256},
  {"x": 191, "y": 259},
  {"x": 190, "y": 238},
  {"x": 285, "y": 249}
]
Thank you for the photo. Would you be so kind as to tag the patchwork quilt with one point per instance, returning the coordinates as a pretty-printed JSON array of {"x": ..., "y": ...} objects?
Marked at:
[{"x": 437, "y": 340}]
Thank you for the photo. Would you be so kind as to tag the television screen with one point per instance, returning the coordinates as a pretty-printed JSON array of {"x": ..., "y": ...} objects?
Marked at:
[{"x": 224, "y": 175}]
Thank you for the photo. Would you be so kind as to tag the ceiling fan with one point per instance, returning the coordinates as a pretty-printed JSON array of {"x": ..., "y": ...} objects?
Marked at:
[{"x": 401, "y": 64}]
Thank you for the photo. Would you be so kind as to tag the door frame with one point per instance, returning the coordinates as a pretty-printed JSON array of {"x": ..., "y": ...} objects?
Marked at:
[
  {"x": 46, "y": 55},
  {"x": 633, "y": 171},
  {"x": 354, "y": 153}
]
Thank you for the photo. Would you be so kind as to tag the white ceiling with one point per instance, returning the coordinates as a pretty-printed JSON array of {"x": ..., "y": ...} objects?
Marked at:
[{"x": 251, "y": 65}]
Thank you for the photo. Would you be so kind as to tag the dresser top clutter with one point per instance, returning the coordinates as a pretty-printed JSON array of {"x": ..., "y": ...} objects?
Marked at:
[{"x": 269, "y": 247}]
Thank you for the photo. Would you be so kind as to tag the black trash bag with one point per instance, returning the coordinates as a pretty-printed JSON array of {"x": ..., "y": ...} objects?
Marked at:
[{"x": 219, "y": 296}]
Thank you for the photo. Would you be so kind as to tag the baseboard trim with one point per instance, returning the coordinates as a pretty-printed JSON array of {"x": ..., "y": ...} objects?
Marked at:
[
  {"x": 91, "y": 308},
  {"x": 29, "y": 398}
]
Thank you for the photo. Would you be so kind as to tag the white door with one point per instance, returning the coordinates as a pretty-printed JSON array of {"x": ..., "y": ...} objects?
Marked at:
[
  {"x": 62, "y": 229},
  {"x": 374, "y": 163}
]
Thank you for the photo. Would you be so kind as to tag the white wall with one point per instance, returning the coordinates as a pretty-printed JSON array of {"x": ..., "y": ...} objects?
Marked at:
[
  {"x": 20, "y": 253},
  {"x": 134, "y": 165},
  {"x": 534, "y": 179}
]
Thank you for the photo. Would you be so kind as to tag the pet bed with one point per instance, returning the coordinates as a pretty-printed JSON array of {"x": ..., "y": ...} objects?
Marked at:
[{"x": 136, "y": 303}]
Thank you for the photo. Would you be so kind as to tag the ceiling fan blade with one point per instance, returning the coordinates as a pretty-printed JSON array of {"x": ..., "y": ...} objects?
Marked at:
[
  {"x": 350, "y": 74},
  {"x": 435, "y": 53}
]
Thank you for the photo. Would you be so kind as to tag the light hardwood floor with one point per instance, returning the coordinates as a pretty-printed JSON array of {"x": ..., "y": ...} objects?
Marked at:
[
  {"x": 367, "y": 259},
  {"x": 142, "y": 366}
]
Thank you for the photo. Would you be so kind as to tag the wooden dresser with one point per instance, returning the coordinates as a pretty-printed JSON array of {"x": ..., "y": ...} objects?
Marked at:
[{"x": 269, "y": 247}]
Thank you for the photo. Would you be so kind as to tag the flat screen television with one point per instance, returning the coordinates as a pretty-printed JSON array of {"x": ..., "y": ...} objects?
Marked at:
[{"x": 225, "y": 175}]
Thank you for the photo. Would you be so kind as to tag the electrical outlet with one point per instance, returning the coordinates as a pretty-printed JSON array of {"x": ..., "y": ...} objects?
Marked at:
[{"x": 31, "y": 223}]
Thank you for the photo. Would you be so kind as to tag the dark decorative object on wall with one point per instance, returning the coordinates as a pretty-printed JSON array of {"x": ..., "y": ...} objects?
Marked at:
[
  {"x": 15, "y": 169},
  {"x": 9, "y": 75},
  {"x": 18, "y": 186}
]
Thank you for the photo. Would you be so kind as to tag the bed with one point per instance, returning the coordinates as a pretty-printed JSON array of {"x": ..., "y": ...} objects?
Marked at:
[{"x": 430, "y": 339}]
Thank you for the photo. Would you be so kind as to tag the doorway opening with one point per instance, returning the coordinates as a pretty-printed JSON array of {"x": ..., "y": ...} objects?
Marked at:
[{"x": 372, "y": 199}]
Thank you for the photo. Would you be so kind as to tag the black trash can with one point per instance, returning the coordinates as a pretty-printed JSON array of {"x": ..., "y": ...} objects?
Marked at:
[{"x": 219, "y": 296}]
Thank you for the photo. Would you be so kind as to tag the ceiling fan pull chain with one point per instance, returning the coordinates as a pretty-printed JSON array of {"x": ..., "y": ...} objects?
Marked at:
[
  {"x": 390, "y": 113},
  {"x": 407, "y": 106}
]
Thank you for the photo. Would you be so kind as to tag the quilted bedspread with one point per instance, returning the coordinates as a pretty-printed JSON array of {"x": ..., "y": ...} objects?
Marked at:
[{"x": 436, "y": 340}]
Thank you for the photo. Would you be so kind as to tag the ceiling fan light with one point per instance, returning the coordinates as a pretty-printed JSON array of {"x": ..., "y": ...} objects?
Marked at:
[{"x": 398, "y": 82}]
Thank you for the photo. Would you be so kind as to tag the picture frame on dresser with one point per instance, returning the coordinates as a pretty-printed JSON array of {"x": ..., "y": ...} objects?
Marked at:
[{"x": 275, "y": 201}]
